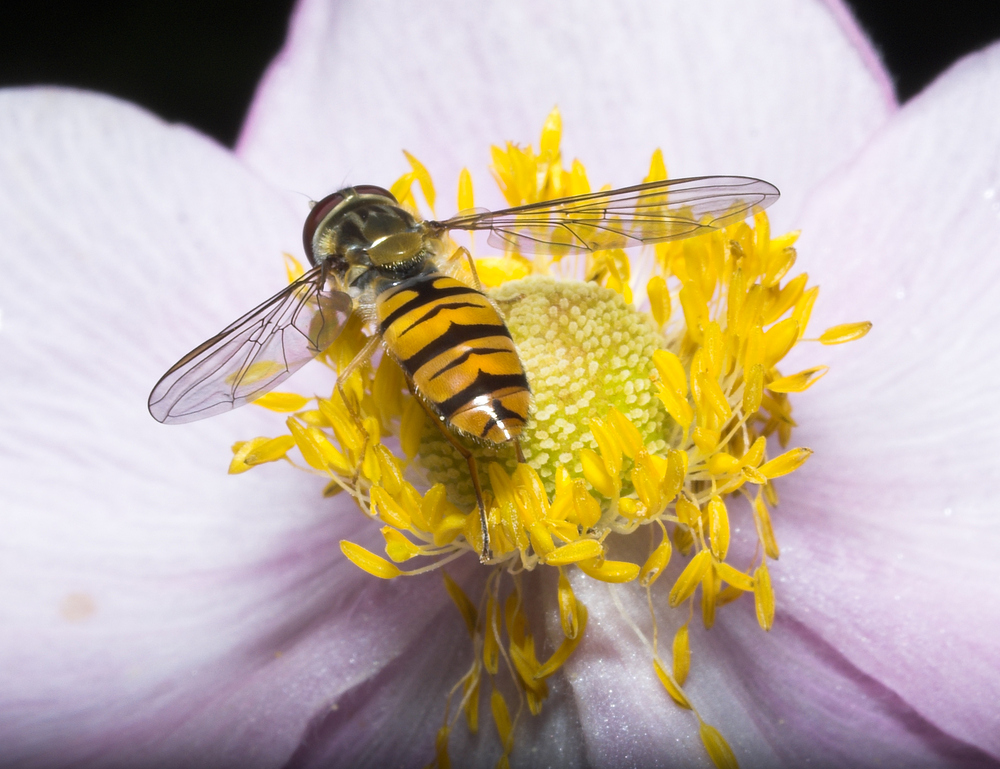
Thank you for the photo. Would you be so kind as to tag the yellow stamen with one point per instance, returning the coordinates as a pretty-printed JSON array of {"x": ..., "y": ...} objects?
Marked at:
[{"x": 639, "y": 418}]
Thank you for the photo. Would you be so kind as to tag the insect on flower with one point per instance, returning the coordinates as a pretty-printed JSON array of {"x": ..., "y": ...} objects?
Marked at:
[{"x": 371, "y": 256}]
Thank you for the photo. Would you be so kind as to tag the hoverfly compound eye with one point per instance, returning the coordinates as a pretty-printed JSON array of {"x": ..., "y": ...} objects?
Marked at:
[
  {"x": 316, "y": 216},
  {"x": 371, "y": 189}
]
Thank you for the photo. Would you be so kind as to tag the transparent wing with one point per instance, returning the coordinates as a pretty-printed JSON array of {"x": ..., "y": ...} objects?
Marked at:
[
  {"x": 632, "y": 216},
  {"x": 253, "y": 354}
]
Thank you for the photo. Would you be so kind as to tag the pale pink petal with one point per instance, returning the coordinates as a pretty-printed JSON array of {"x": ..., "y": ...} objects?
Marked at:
[
  {"x": 903, "y": 495},
  {"x": 778, "y": 90},
  {"x": 884, "y": 648},
  {"x": 155, "y": 610}
]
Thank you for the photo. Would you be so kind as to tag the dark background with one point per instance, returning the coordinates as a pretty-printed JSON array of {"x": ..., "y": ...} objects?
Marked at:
[{"x": 199, "y": 62}]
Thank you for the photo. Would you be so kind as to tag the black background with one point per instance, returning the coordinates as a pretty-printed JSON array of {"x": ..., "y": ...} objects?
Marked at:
[{"x": 199, "y": 62}]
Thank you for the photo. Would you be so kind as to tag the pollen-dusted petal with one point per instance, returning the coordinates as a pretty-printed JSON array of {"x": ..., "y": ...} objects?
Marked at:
[
  {"x": 845, "y": 332},
  {"x": 785, "y": 464},
  {"x": 796, "y": 383},
  {"x": 368, "y": 561},
  {"x": 690, "y": 577},
  {"x": 673, "y": 689},
  {"x": 281, "y": 402},
  {"x": 582, "y": 549},
  {"x": 718, "y": 749},
  {"x": 609, "y": 571},
  {"x": 763, "y": 596}
]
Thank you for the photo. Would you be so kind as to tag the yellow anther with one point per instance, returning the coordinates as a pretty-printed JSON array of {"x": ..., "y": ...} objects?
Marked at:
[
  {"x": 659, "y": 299},
  {"x": 788, "y": 462},
  {"x": 656, "y": 563},
  {"x": 796, "y": 383},
  {"x": 718, "y": 527},
  {"x": 718, "y": 749},
  {"x": 368, "y": 561},
  {"x": 845, "y": 332},
  {"x": 582, "y": 549},
  {"x": 690, "y": 577},
  {"x": 247, "y": 454},
  {"x": 681, "y": 651},
  {"x": 282, "y": 402},
  {"x": 673, "y": 689},
  {"x": 763, "y": 596},
  {"x": 609, "y": 571},
  {"x": 397, "y": 546}
]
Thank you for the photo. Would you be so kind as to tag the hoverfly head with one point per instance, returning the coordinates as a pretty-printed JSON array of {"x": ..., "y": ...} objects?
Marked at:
[{"x": 360, "y": 226}]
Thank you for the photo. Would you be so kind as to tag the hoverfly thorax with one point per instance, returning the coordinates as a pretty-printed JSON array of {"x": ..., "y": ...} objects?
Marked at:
[{"x": 360, "y": 228}]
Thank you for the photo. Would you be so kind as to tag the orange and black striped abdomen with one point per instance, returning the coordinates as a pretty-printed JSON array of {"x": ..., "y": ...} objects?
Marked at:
[{"x": 457, "y": 351}]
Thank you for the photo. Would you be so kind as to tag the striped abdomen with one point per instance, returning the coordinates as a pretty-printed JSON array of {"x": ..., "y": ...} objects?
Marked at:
[{"x": 458, "y": 353}]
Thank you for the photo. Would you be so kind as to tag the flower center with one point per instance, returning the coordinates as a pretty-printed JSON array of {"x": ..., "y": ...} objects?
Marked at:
[
  {"x": 584, "y": 351},
  {"x": 647, "y": 420}
]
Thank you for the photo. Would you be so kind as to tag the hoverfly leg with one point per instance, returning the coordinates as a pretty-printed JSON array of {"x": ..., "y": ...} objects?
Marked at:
[
  {"x": 487, "y": 555},
  {"x": 358, "y": 360},
  {"x": 461, "y": 252},
  {"x": 520, "y": 454}
]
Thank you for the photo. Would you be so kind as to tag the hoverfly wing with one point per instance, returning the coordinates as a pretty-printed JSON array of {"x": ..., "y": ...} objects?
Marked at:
[
  {"x": 253, "y": 354},
  {"x": 631, "y": 216}
]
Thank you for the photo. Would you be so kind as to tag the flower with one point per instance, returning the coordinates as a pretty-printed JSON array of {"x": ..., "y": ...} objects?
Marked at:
[{"x": 169, "y": 612}]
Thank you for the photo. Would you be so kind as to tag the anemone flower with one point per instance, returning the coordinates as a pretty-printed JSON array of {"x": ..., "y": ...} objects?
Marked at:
[{"x": 159, "y": 612}]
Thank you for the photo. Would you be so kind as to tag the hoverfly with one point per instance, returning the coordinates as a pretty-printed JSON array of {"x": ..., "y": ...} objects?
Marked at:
[{"x": 373, "y": 257}]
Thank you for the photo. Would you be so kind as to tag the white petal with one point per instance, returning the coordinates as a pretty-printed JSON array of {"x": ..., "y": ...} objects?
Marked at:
[
  {"x": 783, "y": 90},
  {"x": 899, "y": 503},
  {"x": 145, "y": 595}
]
